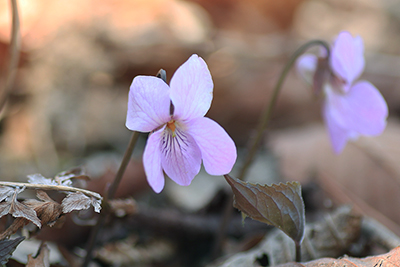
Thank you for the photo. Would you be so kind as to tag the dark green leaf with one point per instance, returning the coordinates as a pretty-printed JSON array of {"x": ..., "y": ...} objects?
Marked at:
[
  {"x": 280, "y": 205},
  {"x": 7, "y": 247}
]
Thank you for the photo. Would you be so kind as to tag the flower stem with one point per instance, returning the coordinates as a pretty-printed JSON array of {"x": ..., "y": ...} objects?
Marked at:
[
  {"x": 15, "y": 44},
  {"x": 264, "y": 120},
  {"x": 298, "y": 251},
  {"x": 255, "y": 142},
  {"x": 110, "y": 195},
  {"x": 122, "y": 167}
]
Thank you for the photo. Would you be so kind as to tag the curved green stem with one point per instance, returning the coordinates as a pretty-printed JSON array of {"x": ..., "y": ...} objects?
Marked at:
[
  {"x": 298, "y": 252},
  {"x": 264, "y": 120},
  {"x": 256, "y": 141}
]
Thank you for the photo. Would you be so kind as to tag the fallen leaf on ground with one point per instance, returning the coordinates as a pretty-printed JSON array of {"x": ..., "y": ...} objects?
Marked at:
[
  {"x": 332, "y": 236},
  {"x": 42, "y": 259},
  {"x": 390, "y": 259}
]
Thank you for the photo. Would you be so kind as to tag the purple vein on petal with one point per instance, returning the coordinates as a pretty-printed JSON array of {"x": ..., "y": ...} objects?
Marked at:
[{"x": 181, "y": 157}]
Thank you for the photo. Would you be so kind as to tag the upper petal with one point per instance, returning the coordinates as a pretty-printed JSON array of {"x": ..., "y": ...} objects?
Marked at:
[
  {"x": 148, "y": 104},
  {"x": 363, "y": 109},
  {"x": 306, "y": 65},
  {"x": 181, "y": 157},
  {"x": 347, "y": 59},
  {"x": 191, "y": 89},
  {"x": 152, "y": 161},
  {"x": 218, "y": 150}
]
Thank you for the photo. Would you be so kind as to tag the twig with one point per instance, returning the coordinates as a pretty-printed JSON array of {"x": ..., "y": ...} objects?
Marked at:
[
  {"x": 52, "y": 187},
  {"x": 14, "y": 54}
]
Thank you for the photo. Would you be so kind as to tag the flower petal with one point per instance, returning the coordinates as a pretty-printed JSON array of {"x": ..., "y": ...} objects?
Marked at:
[
  {"x": 306, "y": 65},
  {"x": 337, "y": 134},
  {"x": 347, "y": 59},
  {"x": 191, "y": 89},
  {"x": 148, "y": 104},
  {"x": 181, "y": 157},
  {"x": 152, "y": 161},
  {"x": 218, "y": 150},
  {"x": 363, "y": 109}
]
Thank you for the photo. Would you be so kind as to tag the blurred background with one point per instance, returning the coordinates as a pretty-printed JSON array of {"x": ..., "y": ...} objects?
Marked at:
[{"x": 78, "y": 58}]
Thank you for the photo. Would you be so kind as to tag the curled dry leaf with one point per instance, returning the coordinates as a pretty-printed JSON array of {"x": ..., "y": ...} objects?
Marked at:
[
  {"x": 65, "y": 177},
  {"x": 17, "y": 209},
  {"x": 7, "y": 247},
  {"x": 5, "y": 192},
  {"x": 280, "y": 205},
  {"x": 79, "y": 201},
  {"x": 42, "y": 258},
  {"x": 47, "y": 210},
  {"x": 40, "y": 179}
]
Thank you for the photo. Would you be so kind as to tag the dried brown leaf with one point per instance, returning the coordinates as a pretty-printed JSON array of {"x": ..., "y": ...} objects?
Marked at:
[
  {"x": 17, "y": 209},
  {"x": 14, "y": 227},
  {"x": 5, "y": 192},
  {"x": 37, "y": 178},
  {"x": 280, "y": 205},
  {"x": 47, "y": 210},
  {"x": 390, "y": 259},
  {"x": 79, "y": 201},
  {"x": 65, "y": 177},
  {"x": 7, "y": 247},
  {"x": 42, "y": 259}
]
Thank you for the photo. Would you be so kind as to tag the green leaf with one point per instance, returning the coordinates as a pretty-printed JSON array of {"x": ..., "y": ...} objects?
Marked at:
[
  {"x": 280, "y": 205},
  {"x": 7, "y": 247}
]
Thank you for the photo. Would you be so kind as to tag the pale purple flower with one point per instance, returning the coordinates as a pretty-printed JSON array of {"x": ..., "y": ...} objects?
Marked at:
[
  {"x": 351, "y": 108},
  {"x": 181, "y": 137}
]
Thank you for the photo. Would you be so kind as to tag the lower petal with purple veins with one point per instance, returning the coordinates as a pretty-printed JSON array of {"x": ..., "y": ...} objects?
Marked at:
[
  {"x": 152, "y": 161},
  {"x": 180, "y": 156}
]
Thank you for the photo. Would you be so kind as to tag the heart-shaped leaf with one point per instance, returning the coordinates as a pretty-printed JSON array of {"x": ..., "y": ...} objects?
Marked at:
[{"x": 280, "y": 205}]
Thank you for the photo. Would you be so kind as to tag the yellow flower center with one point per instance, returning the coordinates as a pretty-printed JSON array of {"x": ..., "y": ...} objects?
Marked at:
[{"x": 171, "y": 125}]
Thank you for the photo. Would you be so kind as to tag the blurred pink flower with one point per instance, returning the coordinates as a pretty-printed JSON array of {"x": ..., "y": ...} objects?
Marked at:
[
  {"x": 350, "y": 108},
  {"x": 181, "y": 137}
]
